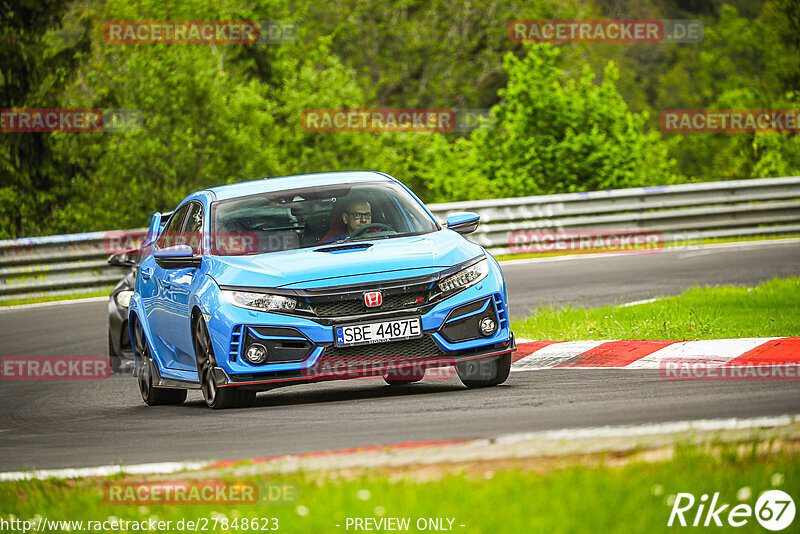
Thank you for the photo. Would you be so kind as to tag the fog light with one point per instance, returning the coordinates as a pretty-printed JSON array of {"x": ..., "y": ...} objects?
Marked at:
[
  {"x": 256, "y": 353},
  {"x": 487, "y": 326}
]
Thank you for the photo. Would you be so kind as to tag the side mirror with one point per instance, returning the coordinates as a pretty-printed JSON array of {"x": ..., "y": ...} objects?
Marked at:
[
  {"x": 122, "y": 259},
  {"x": 177, "y": 257},
  {"x": 153, "y": 230},
  {"x": 463, "y": 222}
]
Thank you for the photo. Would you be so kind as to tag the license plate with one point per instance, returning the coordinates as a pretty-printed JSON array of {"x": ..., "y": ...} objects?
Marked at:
[{"x": 378, "y": 332}]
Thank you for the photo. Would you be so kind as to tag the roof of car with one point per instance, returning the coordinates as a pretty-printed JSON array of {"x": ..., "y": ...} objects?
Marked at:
[{"x": 268, "y": 185}]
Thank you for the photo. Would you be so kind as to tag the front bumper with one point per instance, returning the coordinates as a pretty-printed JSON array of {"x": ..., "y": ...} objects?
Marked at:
[
  {"x": 342, "y": 370},
  {"x": 307, "y": 353}
]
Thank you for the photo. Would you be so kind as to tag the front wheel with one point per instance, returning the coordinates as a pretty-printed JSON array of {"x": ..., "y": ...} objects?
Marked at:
[
  {"x": 483, "y": 373},
  {"x": 217, "y": 398},
  {"x": 151, "y": 395}
]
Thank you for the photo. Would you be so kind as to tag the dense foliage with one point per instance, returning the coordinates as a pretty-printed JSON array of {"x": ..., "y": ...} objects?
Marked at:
[{"x": 569, "y": 117}]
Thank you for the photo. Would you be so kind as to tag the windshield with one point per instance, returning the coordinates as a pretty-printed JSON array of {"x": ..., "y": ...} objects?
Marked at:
[{"x": 299, "y": 218}]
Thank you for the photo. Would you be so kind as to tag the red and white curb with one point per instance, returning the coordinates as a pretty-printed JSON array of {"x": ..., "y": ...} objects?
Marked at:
[{"x": 650, "y": 354}]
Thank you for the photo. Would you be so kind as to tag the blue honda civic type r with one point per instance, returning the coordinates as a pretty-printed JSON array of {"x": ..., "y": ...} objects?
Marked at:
[{"x": 263, "y": 284}]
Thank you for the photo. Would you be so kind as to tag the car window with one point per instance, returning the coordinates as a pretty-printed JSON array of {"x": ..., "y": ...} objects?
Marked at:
[
  {"x": 286, "y": 220},
  {"x": 169, "y": 236},
  {"x": 193, "y": 228}
]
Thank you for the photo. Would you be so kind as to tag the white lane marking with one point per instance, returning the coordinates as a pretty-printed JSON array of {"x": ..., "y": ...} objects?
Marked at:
[
  {"x": 703, "y": 250},
  {"x": 159, "y": 468},
  {"x": 680, "y": 250},
  {"x": 568, "y": 257},
  {"x": 651, "y": 429},
  {"x": 52, "y": 303},
  {"x": 554, "y": 354},
  {"x": 637, "y": 302},
  {"x": 711, "y": 352},
  {"x": 392, "y": 456}
]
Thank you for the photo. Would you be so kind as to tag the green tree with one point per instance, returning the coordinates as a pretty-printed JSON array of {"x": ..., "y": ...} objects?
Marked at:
[
  {"x": 214, "y": 115},
  {"x": 429, "y": 53},
  {"x": 554, "y": 134},
  {"x": 38, "y": 58}
]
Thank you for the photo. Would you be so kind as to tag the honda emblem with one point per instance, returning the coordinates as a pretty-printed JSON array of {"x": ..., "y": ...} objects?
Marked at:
[{"x": 373, "y": 299}]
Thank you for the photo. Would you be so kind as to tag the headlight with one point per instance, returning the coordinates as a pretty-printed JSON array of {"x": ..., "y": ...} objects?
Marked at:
[
  {"x": 466, "y": 277},
  {"x": 123, "y": 298},
  {"x": 258, "y": 301}
]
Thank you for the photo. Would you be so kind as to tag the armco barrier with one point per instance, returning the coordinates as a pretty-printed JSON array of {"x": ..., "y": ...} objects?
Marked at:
[
  {"x": 770, "y": 206},
  {"x": 54, "y": 265},
  {"x": 767, "y": 206}
]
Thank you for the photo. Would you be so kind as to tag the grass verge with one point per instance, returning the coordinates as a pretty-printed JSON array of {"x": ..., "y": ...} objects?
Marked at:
[
  {"x": 769, "y": 310},
  {"x": 602, "y": 495}
]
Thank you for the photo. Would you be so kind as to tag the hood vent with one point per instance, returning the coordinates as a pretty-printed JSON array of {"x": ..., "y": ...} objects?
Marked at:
[{"x": 338, "y": 249}]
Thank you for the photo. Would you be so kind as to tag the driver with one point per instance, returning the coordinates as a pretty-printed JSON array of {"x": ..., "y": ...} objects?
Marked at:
[{"x": 356, "y": 214}]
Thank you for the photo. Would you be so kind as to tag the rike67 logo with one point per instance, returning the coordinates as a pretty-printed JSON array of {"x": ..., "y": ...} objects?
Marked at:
[{"x": 774, "y": 510}]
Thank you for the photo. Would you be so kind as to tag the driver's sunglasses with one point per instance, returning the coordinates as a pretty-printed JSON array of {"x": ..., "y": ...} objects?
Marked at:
[{"x": 363, "y": 216}]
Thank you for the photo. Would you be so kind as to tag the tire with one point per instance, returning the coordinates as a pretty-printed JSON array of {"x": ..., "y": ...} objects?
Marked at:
[
  {"x": 404, "y": 377},
  {"x": 151, "y": 395},
  {"x": 217, "y": 398},
  {"x": 484, "y": 373}
]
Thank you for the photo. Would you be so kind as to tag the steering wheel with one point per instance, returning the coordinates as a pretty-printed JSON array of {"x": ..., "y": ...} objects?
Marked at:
[{"x": 376, "y": 227}]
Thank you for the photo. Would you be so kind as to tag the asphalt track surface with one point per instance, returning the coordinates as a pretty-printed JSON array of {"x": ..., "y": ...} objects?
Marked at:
[{"x": 50, "y": 424}]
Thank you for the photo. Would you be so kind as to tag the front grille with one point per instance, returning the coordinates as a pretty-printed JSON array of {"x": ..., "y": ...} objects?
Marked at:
[
  {"x": 377, "y": 354},
  {"x": 354, "y": 305}
]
